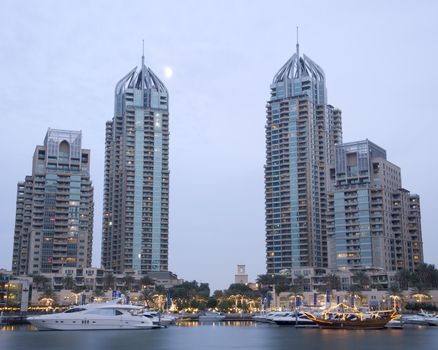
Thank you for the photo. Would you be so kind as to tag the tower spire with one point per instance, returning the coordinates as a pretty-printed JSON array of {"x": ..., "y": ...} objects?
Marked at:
[
  {"x": 142, "y": 75},
  {"x": 142, "y": 57},
  {"x": 298, "y": 57}
]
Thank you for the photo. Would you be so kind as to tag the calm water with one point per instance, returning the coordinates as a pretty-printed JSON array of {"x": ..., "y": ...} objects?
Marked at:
[{"x": 237, "y": 336}]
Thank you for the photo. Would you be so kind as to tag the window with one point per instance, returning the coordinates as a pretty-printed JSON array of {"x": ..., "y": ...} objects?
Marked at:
[{"x": 76, "y": 309}]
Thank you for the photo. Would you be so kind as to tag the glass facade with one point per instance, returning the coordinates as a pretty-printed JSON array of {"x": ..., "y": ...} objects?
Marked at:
[
  {"x": 136, "y": 195},
  {"x": 297, "y": 141}
]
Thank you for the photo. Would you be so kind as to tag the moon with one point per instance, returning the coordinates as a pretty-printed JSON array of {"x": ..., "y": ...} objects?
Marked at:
[{"x": 168, "y": 72}]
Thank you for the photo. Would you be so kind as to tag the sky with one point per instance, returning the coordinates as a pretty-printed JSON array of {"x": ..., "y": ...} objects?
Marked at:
[{"x": 60, "y": 61}]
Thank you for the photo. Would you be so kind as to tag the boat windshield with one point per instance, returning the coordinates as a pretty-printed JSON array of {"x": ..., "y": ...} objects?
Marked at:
[{"x": 75, "y": 309}]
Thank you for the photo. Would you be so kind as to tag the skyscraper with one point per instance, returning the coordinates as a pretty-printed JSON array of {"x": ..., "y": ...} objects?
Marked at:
[
  {"x": 136, "y": 185},
  {"x": 54, "y": 212},
  {"x": 372, "y": 221},
  {"x": 301, "y": 131}
]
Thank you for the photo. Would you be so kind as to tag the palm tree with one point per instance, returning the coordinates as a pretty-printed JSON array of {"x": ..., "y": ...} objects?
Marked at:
[
  {"x": 333, "y": 282},
  {"x": 424, "y": 277},
  {"x": 403, "y": 278},
  {"x": 109, "y": 281},
  {"x": 40, "y": 281},
  {"x": 68, "y": 282},
  {"x": 49, "y": 295},
  {"x": 396, "y": 295},
  {"x": 362, "y": 280},
  {"x": 146, "y": 281},
  {"x": 299, "y": 283},
  {"x": 129, "y": 280},
  {"x": 265, "y": 280},
  {"x": 99, "y": 293}
]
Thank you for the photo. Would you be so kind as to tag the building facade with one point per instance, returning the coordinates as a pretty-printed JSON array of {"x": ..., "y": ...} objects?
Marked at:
[
  {"x": 54, "y": 208},
  {"x": 372, "y": 221},
  {"x": 136, "y": 184},
  {"x": 241, "y": 277},
  {"x": 301, "y": 133}
]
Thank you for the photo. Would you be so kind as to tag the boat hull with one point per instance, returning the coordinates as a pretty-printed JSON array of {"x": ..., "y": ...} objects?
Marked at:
[
  {"x": 59, "y": 324},
  {"x": 294, "y": 323},
  {"x": 346, "y": 324}
]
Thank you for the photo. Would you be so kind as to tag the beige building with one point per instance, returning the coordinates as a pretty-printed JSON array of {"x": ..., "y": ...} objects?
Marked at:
[
  {"x": 372, "y": 221},
  {"x": 241, "y": 277},
  {"x": 54, "y": 208}
]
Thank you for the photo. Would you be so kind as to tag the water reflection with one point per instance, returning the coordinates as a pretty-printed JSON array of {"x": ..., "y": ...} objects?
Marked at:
[
  {"x": 191, "y": 335},
  {"x": 216, "y": 324}
]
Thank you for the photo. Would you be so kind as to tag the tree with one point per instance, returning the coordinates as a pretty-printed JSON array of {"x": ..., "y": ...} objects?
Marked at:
[
  {"x": 204, "y": 290},
  {"x": 403, "y": 278},
  {"x": 425, "y": 277},
  {"x": 396, "y": 296},
  {"x": 99, "y": 293},
  {"x": 147, "y": 281},
  {"x": 299, "y": 283},
  {"x": 333, "y": 282},
  {"x": 129, "y": 281},
  {"x": 265, "y": 280},
  {"x": 241, "y": 289},
  {"x": 225, "y": 305},
  {"x": 48, "y": 294},
  {"x": 212, "y": 303},
  {"x": 270, "y": 280},
  {"x": 78, "y": 289},
  {"x": 40, "y": 281},
  {"x": 362, "y": 280},
  {"x": 109, "y": 281},
  {"x": 68, "y": 282}
]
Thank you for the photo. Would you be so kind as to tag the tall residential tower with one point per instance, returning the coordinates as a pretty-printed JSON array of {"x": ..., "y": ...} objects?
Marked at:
[
  {"x": 301, "y": 133},
  {"x": 372, "y": 221},
  {"x": 54, "y": 215},
  {"x": 136, "y": 186}
]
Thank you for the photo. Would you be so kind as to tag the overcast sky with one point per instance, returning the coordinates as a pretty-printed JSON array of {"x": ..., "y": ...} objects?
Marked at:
[{"x": 60, "y": 61}]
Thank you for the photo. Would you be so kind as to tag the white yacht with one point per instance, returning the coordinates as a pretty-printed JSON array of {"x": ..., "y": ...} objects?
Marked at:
[
  {"x": 431, "y": 319},
  {"x": 111, "y": 315},
  {"x": 422, "y": 318},
  {"x": 211, "y": 316},
  {"x": 159, "y": 318},
  {"x": 293, "y": 319},
  {"x": 268, "y": 317}
]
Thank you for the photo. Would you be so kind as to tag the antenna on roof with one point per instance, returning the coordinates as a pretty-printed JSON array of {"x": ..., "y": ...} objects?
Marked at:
[
  {"x": 298, "y": 57},
  {"x": 142, "y": 57},
  {"x": 142, "y": 75}
]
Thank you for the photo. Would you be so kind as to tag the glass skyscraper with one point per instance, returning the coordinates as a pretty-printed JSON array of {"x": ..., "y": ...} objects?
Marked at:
[
  {"x": 136, "y": 185},
  {"x": 301, "y": 133},
  {"x": 54, "y": 213}
]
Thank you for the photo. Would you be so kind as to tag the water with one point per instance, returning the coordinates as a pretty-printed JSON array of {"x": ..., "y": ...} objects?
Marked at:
[{"x": 216, "y": 336}]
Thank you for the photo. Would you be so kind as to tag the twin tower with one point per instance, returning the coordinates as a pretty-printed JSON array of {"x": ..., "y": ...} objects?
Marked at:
[
  {"x": 328, "y": 204},
  {"x": 54, "y": 216}
]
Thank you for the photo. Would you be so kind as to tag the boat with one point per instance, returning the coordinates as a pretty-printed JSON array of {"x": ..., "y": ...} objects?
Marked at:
[
  {"x": 211, "y": 316},
  {"x": 422, "y": 318},
  {"x": 344, "y": 317},
  {"x": 111, "y": 315},
  {"x": 395, "y": 323},
  {"x": 160, "y": 319},
  {"x": 295, "y": 318},
  {"x": 431, "y": 319},
  {"x": 268, "y": 317}
]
